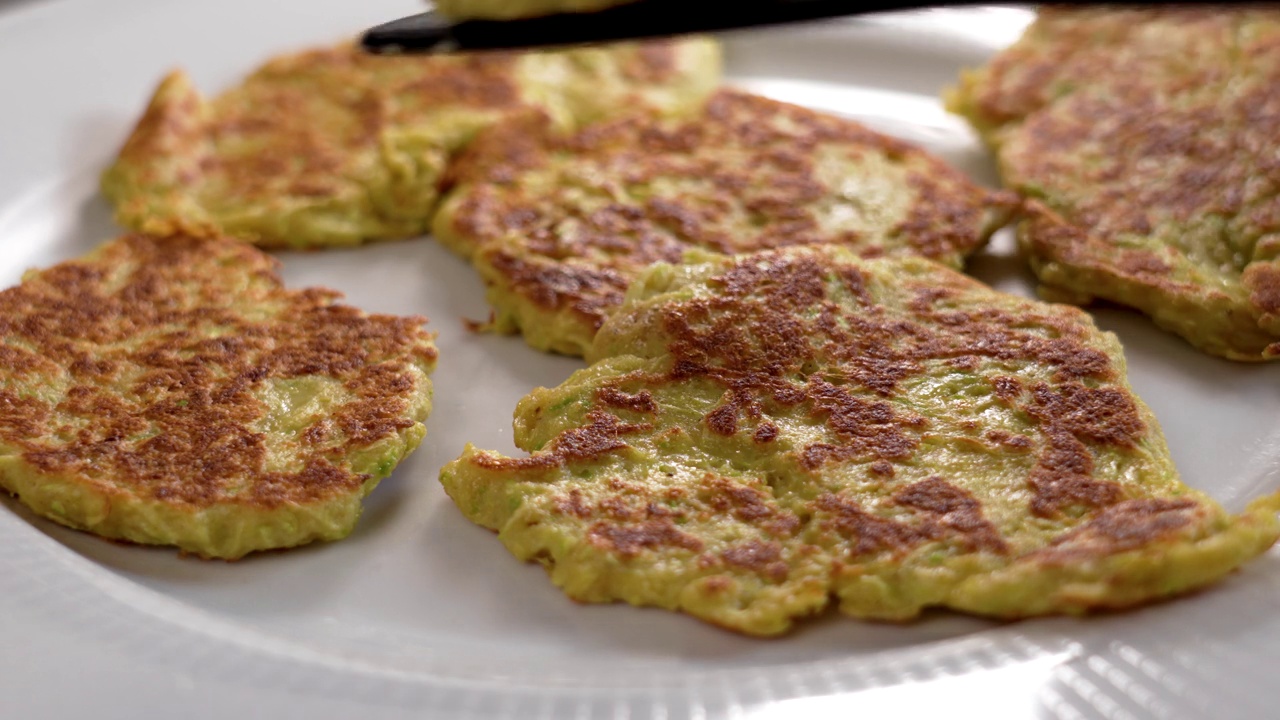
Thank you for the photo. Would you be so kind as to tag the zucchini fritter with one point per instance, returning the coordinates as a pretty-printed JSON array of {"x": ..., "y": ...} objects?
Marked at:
[
  {"x": 1149, "y": 139},
  {"x": 338, "y": 147},
  {"x": 558, "y": 225},
  {"x": 172, "y": 392},
  {"x": 760, "y": 434}
]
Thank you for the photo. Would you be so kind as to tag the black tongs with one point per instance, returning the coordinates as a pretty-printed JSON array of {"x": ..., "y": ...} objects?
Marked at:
[{"x": 430, "y": 32}]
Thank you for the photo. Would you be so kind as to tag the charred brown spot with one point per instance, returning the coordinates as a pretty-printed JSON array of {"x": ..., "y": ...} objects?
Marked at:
[
  {"x": 866, "y": 429},
  {"x": 718, "y": 584},
  {"x": 478, "y": 80},
  {"x": 1263, "y": 282},
  {"x": 746, "y": 503},
  {"x": 617, "y": 484},
  {"x": 943, "y": 215},
  {"x": 760, "y": 557},
  {"x": 1064, "y": 477},
  {"x": 641, "y": 402},
  {"x": 574, "y": 503},
  {"x": 955, "y": 511},
  {"x": 631, "y": 540},
  {"x": 925, "y": 298},
  {"x": 318, "y": 432},
  {"x": 937, "y": 496},
  {"x": 854, "y": 282},
  {"x": 1126, "y": 526},
  {"x": 618, "y": 508},
  {"x": 945, "y": 512},
  {"x": 555, "y": 286},
  {"x": 21, "y": 362},
  {"x": 1007, "y": 388},
  {"x": 723, "y": 420},
  {"x": 1010, "y": 440},
  {"x": 766, "y": 433},
  {"x": 22, "y": 417},
  {"x": 865, "y": 532},
  {"x": 792, "y": 284},
  {"x": 883, "y": 468},
  {"x": 317, "y": 480},
  {"x": 602, "y": 434},
  {"x": 1142, "y": 263},
  {"x": 1105, "y": 415}
]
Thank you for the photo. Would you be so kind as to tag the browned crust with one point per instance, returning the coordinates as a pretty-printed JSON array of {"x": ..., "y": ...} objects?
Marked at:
[
  {"x": 775, "y": 314},
  {"x": 1147, "y": 132},
  {"x": 629, "y": 540},
  {"x": 1070, "y": 48},
  {"x": 602, "y": 434},
  {"x": 759, "y": 185},
  {"x": 1126, "y": 526},
  {"x": 160, "y": 345},
  {"x": 1263, "y": 283},
  {"x": 885, "y": 434},
  {"x": 943, "y": 511},
  {"x": 303, "y": 128},
  {"x": 331, "y": 145},
  {"x": 588, "y": 293}
]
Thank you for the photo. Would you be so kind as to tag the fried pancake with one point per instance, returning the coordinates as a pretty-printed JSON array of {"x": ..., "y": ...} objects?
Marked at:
[
  {"x": 338, "y": 147},
  {"x": 514, "y": 9},
  {"x": 558, "y": 225},
  {"x": 172, "y": 392},
  {"x": 759, "y": 435},
  {"x": 1149, "y": 139}
]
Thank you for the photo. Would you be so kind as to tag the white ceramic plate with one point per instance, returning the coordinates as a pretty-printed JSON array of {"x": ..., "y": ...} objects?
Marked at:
[{"x": 420, "y": 613}]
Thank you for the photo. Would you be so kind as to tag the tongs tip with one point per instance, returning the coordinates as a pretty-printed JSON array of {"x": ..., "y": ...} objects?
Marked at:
[
  {"x": 422, "y": 32},
  {"x": 631, "y": 20}
]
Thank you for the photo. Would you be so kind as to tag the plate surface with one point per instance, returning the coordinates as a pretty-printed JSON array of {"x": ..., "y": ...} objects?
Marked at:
[{"x": 420, "y": 613}]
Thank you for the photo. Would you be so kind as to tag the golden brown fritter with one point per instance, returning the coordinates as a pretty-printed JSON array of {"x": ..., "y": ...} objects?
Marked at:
[
  {"x": 764, "y": 435},
  {"x": 560, "y": 224},
  {"x": 1149, "y": 139},
  {"x": 171, "y": 391},
  {"x": 338, "y": 147}
]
